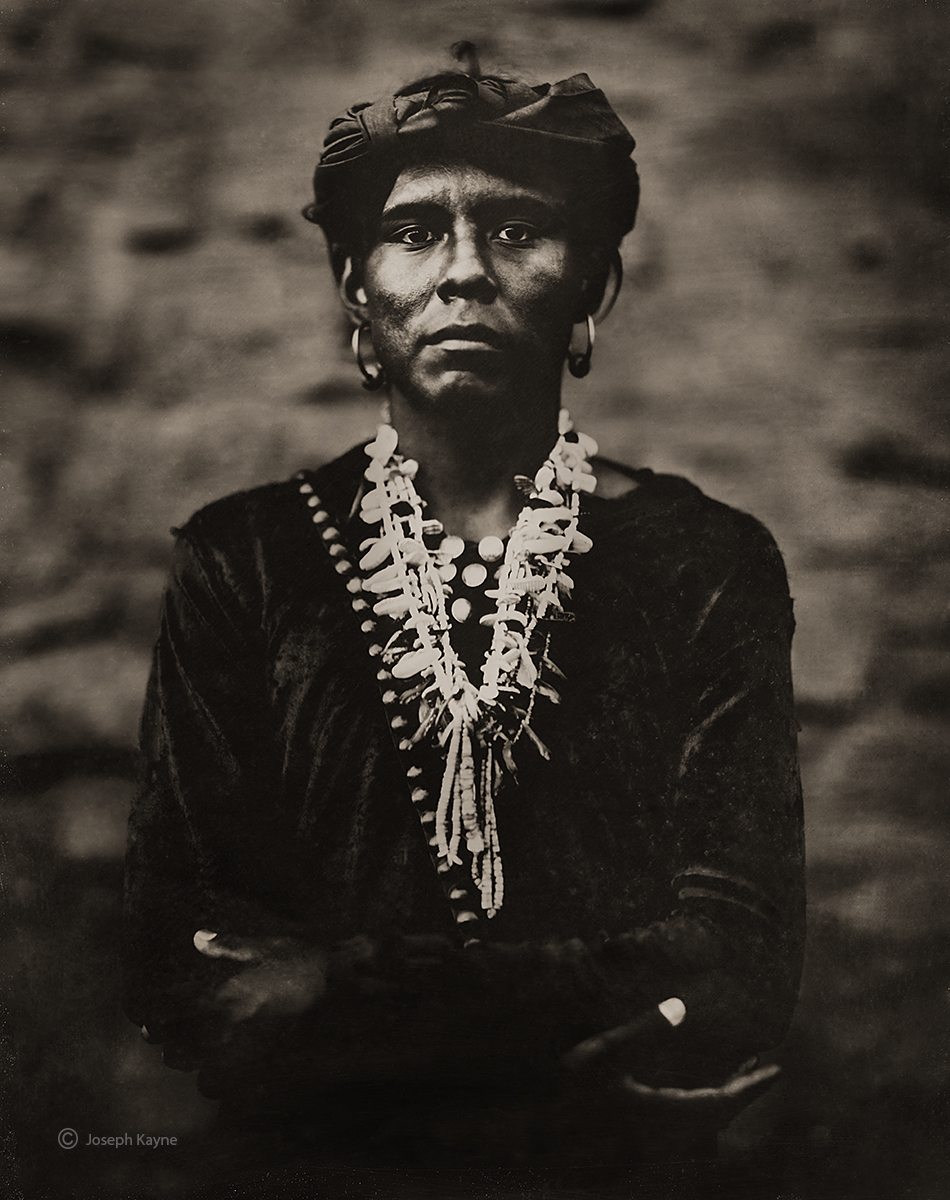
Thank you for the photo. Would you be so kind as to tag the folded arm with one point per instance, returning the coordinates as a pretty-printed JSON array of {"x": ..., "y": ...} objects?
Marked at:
[{"x": 729, "y": 945}]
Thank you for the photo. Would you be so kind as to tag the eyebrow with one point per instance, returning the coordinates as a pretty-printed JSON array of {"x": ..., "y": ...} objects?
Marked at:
[{"x": 491, "y": 205}]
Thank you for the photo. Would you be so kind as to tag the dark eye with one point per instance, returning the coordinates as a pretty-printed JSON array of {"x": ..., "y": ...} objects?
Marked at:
[
  {"x": 517, "y": 233},
  {"x": 413, "y": 235}
]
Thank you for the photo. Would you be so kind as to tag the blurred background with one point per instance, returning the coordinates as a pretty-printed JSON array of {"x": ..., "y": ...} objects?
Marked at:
[{"x": 169, "y": 333}]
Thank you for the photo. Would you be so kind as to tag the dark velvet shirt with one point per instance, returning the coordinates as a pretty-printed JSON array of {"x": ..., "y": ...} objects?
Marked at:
[{"x": 658, "y": 851}]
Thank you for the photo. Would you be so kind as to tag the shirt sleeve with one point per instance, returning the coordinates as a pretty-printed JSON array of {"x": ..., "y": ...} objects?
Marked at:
[
  {"x": 730, "y": 943},
  {"x": 206, "y": 774},
  {"x": 732, "y": 948}
]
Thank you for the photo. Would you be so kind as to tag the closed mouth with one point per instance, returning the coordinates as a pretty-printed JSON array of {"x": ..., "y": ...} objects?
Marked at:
[{"x": 466, "y": 337}]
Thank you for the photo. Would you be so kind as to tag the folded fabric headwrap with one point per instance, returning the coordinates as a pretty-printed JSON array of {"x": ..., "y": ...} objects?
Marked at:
[{"x": 553, "y": 119}]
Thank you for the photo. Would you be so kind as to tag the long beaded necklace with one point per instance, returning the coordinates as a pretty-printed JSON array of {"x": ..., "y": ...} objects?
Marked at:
[{"x": 407, "y": 566}]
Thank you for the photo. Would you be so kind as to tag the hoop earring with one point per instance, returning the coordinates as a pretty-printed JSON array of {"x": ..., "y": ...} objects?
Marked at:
[
  {"x": 373, "y": 378},
  {"x": 578, "y": 361}
]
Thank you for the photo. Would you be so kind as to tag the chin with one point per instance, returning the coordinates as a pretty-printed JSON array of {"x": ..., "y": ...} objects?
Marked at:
[{"x": 462, "y": 392}]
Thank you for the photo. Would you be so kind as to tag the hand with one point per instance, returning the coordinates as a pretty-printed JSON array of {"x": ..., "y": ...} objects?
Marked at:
[
  {"x": 286, "y": 976},
  {"x": 282, "y": 976},
  {"x": 595, "y": 1058}
]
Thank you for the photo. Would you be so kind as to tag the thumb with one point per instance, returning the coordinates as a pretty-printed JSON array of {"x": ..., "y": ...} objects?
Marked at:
[
  {"x": 223, "y": 945},
  {"x": 741, "y": 1089}
]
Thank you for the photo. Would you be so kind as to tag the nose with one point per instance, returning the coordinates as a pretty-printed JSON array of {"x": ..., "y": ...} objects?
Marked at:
[{"x": 467, "y": 273}]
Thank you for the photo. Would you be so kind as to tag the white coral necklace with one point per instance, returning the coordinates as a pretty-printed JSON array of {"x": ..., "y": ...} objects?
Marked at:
[{"x": 405, "y": 566}]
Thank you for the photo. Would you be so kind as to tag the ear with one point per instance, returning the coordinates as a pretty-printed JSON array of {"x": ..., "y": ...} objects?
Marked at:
[
  {"x": 583, "y": 306},
  {"x": 597, "y": 263},
  {"x": 353, "y": 293},
  {"x": 588, "y": 294}
]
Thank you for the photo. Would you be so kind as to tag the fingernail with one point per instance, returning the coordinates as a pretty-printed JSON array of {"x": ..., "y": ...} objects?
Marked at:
[{"x": 673, "y": 1009}]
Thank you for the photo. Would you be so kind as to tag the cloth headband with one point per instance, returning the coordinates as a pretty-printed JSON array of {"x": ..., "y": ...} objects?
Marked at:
[{"x": 572, "y": 116}]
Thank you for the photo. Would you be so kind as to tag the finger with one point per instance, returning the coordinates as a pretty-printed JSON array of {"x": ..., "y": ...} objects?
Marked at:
[
  {"x": 742, "y": 1083},
  {"x": 239, "y": 999},
  {"x": 596, "y": 1047},
  {"x": 182, "y": 1056},
  {"x": 353, "y": 951},
  {"x": 214, "y": 945},
  {"x": 239, "y": 1007},
  {"x": 202, "y": 941},
  {"x": 737, "y": 1086}
]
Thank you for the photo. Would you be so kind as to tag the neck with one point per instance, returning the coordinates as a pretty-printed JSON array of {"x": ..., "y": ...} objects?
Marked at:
[{"x": 467, "y": 468}]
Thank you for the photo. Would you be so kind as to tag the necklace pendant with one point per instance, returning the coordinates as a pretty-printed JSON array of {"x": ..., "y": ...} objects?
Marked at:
[
  {"x": 490, "y": 549},
  {"x": 473, "y": 729}
]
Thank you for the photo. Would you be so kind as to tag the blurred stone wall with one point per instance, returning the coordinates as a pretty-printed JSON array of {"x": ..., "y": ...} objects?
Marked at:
[{"x": 169, "y": 333}]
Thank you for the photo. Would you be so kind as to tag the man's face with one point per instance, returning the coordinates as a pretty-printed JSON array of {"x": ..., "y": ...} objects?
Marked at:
[{"x": 472, "y": 287}]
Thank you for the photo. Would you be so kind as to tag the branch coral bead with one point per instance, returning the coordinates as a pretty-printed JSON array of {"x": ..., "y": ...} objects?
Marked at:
[{"x": 407, "y": 568}]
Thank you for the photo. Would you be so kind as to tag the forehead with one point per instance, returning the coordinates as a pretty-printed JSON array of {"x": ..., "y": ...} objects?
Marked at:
[{"x": 466, "y": 187}]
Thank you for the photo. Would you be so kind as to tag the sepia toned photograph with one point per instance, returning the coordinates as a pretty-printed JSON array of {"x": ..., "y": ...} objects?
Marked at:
[{"x": 475, "y": 524}]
